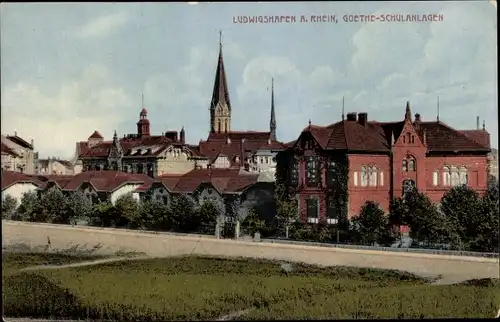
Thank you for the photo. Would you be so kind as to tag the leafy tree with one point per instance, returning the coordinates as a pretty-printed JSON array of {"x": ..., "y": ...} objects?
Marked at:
[
  {"x": 29, "y": 206},
  {"x": 398, "y": 215},
  {"x": 9, "y": 207},
  {"x": 183, "y": 212},
  {"x": 461, "y": 206},
  {"x": 253, "y": 222},
  {"x": 79, "y": 205},
  {"x": 209, "y": 210},
  {"x": 427, "y": 224},
  {"x": 127, "y": 212},
  {"x": 103, "y": 215},
  {"x": 487, "y": 222},
  {"x": 54, "y": 207},
  {"x": 286, "y": 208},
  {"x": 155, "y": 215},
  {"x": 492, "y": 181},
  {"x": 371, "y": 225}
]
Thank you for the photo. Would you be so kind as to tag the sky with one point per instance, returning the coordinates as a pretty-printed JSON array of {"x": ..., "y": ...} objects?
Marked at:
[{"x": 68, "y": 69}]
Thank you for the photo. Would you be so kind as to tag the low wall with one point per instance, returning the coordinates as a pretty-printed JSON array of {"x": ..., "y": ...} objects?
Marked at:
[{"x": 452, "y": 268}]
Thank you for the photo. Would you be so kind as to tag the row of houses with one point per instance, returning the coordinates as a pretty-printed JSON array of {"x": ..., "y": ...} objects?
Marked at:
[{"x": 100, "y": 186}]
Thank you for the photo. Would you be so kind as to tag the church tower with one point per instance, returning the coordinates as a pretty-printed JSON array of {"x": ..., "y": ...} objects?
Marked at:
[
  {"x": 272, "y": 121},
  {"x": 220, "y": 106}
]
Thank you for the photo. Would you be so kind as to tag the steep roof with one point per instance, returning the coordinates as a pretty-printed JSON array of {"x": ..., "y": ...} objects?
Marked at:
[
  {"x": 220, "y": 93},
  {"x": 7, "y": 150},
  {"x": 96, "y": 135},
  {"x": 236, "y": 144},
  {"x": 377, "y": 136},
  {"x": 11, "y": 177},
  {"x": 224, "y": 180}
]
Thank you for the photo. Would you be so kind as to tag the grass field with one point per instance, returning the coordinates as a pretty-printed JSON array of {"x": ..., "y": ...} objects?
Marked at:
[{"x": 196, "y": 288}]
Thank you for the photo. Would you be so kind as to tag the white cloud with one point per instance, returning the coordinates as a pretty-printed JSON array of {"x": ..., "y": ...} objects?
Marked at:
[
  {"x": 102, "y": 26},
  {"x": 58, "y": 120}
]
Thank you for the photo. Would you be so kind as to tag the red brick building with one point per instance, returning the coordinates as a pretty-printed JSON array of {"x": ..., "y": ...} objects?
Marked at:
[{"x": 382, "y": 160}]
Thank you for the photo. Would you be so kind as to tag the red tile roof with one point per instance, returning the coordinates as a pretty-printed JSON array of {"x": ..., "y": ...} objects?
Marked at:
[
  {"x": 377, "y": 136},
  {"x": 106, "y": 181},
  {"x": 96, "y": 135},
  {"x": 133, "y": 146},
  {"x": 12, "y": 177},
  {"x": 224, "y": 180},
  {"x": 236, "y": 144}
]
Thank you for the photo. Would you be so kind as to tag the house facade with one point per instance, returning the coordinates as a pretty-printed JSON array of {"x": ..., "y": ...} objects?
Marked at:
[
  {"x": 140, "y": 153},
  {"x": 381, "y": 160},
  {"x": 18, "y": 154},
  {"x": 54, "y": 166}
]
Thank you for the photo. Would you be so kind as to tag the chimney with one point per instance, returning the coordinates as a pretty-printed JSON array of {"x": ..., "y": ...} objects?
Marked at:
[
  {"x": 352, "y": 116},
  {"x": 15, "y": 133},
  {"x": 32, "y": 144},
  {"x": 477, "y": 123},
  {"x": 417, "y": 118},
  {"x": 362, "y": 118},
  {"x": 242, "y": 152}
]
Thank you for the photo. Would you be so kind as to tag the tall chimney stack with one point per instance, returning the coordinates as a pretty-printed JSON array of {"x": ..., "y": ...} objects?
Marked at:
[{"x": 477, "y": 123}]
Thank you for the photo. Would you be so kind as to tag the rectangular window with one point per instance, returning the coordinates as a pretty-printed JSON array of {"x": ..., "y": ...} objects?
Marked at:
[
  {"x": 312, "y": 208},
  {"x": 331, "y": 174},
  {"x": 372, "y": 176},
  {"x": 312, "y": 170},
  {"x": 331, "y": 211},
  {"x": 381, "y": 178},
  {"x": 294, "y": 173},
  {"x": 355, "y": 178},
  {"x": 435, "y": 178}
]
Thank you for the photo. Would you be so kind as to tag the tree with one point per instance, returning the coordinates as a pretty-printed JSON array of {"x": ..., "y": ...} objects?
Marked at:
[
  {"x": 398, "y": 215},
  {"x": 126, "y": 211},
  {"x": 79, "y": 206},
  {"x": 155, "y": 215},
  {"x": 103, "y": 215},
  {"x": 287, "y": 211},
  {"x": 487, "y": 222},
  {"x": 9, "y": 207},
  {"x": 29, "y": 207},
  {"x": 371, "y": 225},
  {"x": 253, "y": 222},
  {"x": 182, "y": 210},
  {"x": 54, "y": 207},
  {"x": 427, "y": 224},
  {"x": 461, "y": 206},
  {"x": 209, "y": 210}
]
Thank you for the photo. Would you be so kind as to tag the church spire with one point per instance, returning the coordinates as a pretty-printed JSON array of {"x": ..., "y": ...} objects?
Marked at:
[
  {"x": 408, "y": 112},
  {"x": 220, "y": 106},
  {"x": 272, "y": 122}
]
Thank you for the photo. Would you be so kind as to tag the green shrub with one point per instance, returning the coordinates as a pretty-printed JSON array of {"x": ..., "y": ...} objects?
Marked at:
[{"x": 32, "y": 295}]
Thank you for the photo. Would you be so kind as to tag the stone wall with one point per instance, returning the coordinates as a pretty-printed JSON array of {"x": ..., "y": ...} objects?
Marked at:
[{"x": 452, "y": 268}]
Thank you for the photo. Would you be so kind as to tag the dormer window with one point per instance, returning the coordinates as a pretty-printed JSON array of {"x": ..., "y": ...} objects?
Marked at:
[
  {"x": 228, "y": 141},
  {"x": 237, "y": 159}
]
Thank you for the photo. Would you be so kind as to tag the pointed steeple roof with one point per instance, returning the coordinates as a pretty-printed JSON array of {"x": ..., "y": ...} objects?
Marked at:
[
  {"x": 220, "y": 93},
  {"x": 272, "y": 122},
  {"x": 408, "y": 112}
]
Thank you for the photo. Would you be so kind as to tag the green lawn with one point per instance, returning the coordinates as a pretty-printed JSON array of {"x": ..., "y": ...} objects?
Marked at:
[{"x": 200, "y": 288}]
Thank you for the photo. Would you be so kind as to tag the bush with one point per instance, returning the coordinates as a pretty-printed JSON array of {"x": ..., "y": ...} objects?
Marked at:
[{"x": 32, "y": 295}]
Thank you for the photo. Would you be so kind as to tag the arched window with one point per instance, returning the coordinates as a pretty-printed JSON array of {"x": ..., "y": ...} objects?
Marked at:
[
  {"x": 455, "y": 176},
  {"x": 446, "y": 176},
  {"x": 372, "y": 176},
  {"x": 463, "y": 176},
  {"x": 219, "y": 126},
  {"x": 405, "y": 165},
  {"x": 411, "y": 165},
  {"x": 364, "y": 176},
  {"x": 226, "y": 128}
]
